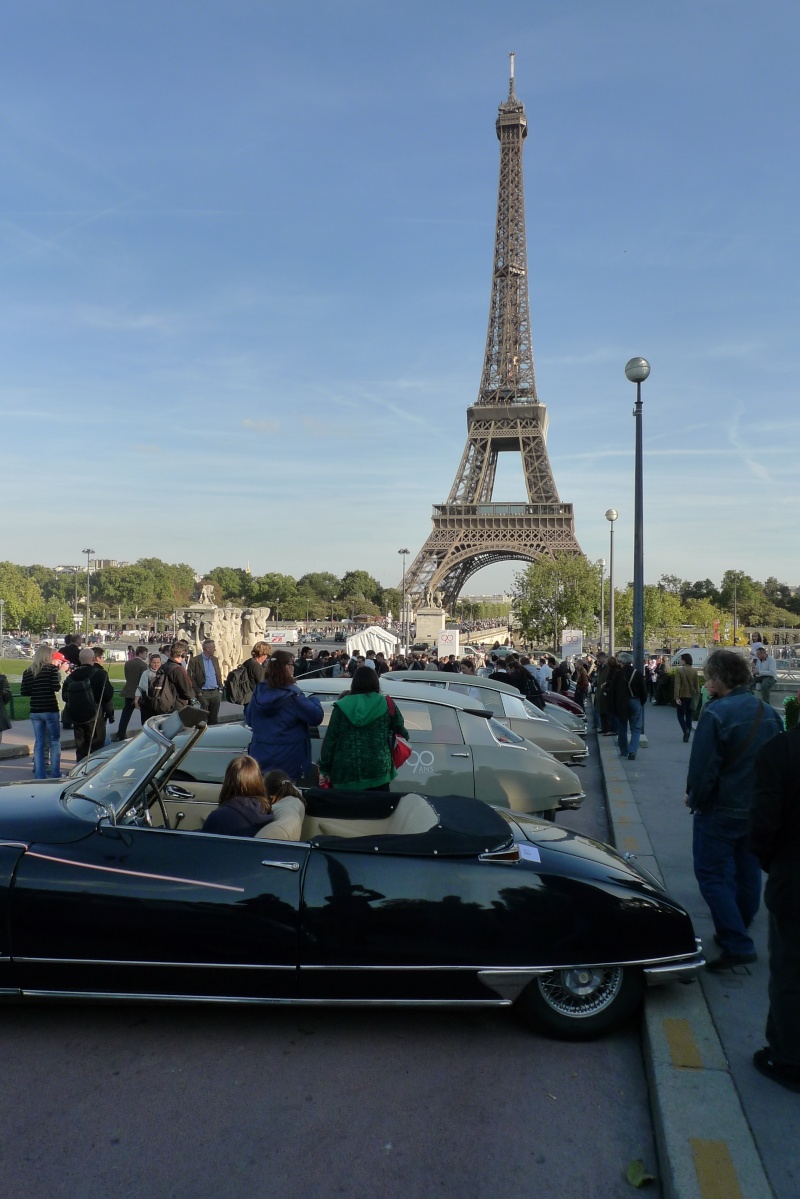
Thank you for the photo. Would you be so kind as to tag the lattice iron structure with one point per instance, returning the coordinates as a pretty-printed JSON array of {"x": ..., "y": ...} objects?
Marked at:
[{"x": 469, "y": 531}]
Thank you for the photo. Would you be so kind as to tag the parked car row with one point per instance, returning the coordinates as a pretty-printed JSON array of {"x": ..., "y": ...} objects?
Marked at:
[{"x": 427, "y": 899}]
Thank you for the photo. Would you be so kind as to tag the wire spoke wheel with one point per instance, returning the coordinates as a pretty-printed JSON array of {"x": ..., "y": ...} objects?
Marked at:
[
  {"x": 581, "y": 992},
  {"x": 581, "y": 1002}
]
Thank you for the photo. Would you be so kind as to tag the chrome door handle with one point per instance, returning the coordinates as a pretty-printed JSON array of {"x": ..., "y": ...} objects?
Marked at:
[
  {"x": 283, "y": 865},
  {"x": 459, "y": 755}
]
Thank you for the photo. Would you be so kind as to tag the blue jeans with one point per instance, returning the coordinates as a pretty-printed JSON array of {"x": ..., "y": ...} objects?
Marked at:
[
  {"x": 46, "y": 725},
  {"x": 635, "y": 721},
  {"x": 729, "y": 877}
]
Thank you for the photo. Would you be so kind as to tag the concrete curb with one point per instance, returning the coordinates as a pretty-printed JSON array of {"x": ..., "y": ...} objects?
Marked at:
[
  {"x": 705, "y": 1146},
  {"x": 24, "y": 749}
]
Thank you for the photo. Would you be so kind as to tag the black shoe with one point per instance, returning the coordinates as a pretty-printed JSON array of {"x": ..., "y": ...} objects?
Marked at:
[
  {"x": 726, "y": 961},
  {"x": 631, "y": 757},
  {"x": 686, "y": 736},
  {"x": 786, "y": 1076}
]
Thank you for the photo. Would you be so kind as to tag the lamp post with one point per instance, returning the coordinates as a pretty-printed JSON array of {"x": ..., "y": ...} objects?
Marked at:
[
  {"x": 2, "y": 613},
  {"x": 735, "y": 612},
  {"x": 602, "y": 597},
  {"x": 88, "y": 554},
  {"x": 404, "y": 554},
  {"x": 611, "y": 516},
  {"x": 636, "y": 371},
  {"x": 277, "y": 605}
]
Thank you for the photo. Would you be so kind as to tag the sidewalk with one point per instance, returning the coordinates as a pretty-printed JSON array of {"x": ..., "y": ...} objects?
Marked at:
[{"x": 723, "y": 1129}]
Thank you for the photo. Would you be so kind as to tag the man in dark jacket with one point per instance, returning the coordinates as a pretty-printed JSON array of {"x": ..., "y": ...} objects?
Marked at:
[
  {"x": 719, "y": 792},
  {"x": 628, "y": 695},
  {"x": 71, "y": 648},
  {"x": 176, "y": 672},
  {"x": 134, "y": 669},
  {"x": 89, "y": 699},
  {"x": 302, "y": 664},
  {"x": 775, "y": 840},
  {"x": 206, "y": 675}
]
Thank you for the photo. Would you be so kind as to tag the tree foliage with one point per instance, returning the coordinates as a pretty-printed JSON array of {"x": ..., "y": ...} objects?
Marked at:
[{"x": 554, "y": 593}]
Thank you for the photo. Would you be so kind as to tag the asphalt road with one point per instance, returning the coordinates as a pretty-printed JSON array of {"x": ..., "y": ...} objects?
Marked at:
[{"x": 197, "y": 1102}]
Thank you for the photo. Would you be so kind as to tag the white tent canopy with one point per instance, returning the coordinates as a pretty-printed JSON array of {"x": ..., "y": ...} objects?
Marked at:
[{"x": 372, "y": 638}]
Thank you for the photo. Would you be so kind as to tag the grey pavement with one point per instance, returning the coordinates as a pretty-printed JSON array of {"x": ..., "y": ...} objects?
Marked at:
[{"x": 716, "y": 1117}]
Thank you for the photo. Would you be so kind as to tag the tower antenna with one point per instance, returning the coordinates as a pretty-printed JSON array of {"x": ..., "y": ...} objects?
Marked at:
[{"x": 511, "y": 56}]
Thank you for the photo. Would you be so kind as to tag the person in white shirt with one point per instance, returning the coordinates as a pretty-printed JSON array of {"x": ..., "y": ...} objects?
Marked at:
[
  {"x": 766, "y": 672},
  {"x": 545, "y": 674}
]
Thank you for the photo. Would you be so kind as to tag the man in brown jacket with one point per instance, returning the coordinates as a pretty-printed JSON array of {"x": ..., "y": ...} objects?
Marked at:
[
  {"x": 686, "y": 687},
  {"x": 206, "y": 675}
]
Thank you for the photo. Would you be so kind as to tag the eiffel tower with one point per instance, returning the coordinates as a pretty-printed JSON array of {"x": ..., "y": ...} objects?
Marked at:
[{"x": 470, "y": 532}]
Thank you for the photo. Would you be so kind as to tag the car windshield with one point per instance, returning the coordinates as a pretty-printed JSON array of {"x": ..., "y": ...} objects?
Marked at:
[{"x": 113, "y": 783}]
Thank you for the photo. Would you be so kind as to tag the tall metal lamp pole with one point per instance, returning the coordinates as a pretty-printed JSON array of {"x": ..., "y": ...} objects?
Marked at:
[
  {"x": 404, "y": 624},
  {"x": 602, "y": 597},
  {"x": 88, "y": 554},
  {"x": 611, "y": 516},
  {"x": 637, "y": 370}
]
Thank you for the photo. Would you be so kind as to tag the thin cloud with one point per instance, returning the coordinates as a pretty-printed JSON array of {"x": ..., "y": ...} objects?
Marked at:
[{"x": 262, "y": 426}]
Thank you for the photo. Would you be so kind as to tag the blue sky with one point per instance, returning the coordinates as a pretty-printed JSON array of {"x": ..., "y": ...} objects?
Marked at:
[{"x": 245, "y": 256}]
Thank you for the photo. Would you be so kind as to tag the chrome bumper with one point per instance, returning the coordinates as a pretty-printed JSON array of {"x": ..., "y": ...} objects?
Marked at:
[
  {"x": 571, "y": 803},
  {"x": 670, "y": 972}
]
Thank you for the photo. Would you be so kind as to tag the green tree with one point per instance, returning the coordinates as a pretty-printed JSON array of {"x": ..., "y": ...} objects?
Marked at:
[
  {"x": 131, "y": 589},
  {"x": 321, "y": 584},
  {"x": 360, "y": 585},
  {"x": 269, "y": 588},
  {"x": 24, "y": 602},
  {"x": 233, "y": 583},
  {"x": 702, "y": 589},
  {"x": 663, "y": 615},
  {"x": 553, "y": 593}
]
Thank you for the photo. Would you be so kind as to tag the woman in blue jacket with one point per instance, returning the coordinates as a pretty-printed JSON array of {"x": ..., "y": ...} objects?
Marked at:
[{"x": 280, "y": 716}]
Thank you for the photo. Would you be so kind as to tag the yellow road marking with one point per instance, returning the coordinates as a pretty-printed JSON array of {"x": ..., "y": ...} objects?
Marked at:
[
  {"x": 631, "y": 844},
  {"x": 682, "y": 1045},
  {"x": 715, "y": 1172}
]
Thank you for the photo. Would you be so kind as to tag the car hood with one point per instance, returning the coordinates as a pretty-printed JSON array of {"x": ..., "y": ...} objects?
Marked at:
[
  {"x": 34, "y": 812},
  {"x": 596, "y": 857}
]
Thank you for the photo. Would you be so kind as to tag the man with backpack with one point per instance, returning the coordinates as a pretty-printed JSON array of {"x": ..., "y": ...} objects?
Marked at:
[
  {"x": 170, "y": 688},
  {"x": 89, "y": 701},
  {"x": 242, "y": 682}
]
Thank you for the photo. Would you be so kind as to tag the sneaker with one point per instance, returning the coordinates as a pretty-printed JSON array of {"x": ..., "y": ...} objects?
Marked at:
[
  {"x": 631, "y": 757},
  {"x": 686, "y": 736},
  {"x": 727, "y": 961},
  {"x": 785, "y": 1076}
]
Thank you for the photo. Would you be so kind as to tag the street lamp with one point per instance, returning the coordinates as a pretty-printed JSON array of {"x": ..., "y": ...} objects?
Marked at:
[
  {"x": 277, "y": 605},
  {"x": 611, "y": 516},
  {"x": 602, "y": 597},
  {"x": 404, "y": 626},
  {"x": 636, "y": 371},
  {"x": 88, "y": 554}
]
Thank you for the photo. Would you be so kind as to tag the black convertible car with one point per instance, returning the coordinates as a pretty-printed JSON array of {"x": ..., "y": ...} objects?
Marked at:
[{"x": 110, "y": 891}]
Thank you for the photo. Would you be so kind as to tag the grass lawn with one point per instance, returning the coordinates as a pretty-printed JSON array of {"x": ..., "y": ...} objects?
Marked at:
[{"x": 13, "y": 668}]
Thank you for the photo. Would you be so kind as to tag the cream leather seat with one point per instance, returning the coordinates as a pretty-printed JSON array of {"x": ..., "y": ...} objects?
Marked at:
[
  {"x": 413, "y": 814},
  {"x": 288, "y": 822}
]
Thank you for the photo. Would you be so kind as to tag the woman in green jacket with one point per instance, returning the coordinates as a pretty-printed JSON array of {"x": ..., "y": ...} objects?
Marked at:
[{"x": 356, "y": 753}]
